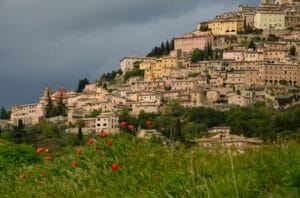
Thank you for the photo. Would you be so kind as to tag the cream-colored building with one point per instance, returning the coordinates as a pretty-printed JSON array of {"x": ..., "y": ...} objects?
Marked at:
[
  {"x": 126, "y": 63},
  {"x": 269, "y": 19},
  {"x": 274, "y": 72},
  {"x": 108, "y": 122},
  {"x": 31, "y": 114},
  {"x": 226, "y": 27},
  {"x": 212, "y": 96}
]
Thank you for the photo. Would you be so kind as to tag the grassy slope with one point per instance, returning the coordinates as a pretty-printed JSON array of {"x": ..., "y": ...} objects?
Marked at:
[{"x": 148, "y": 169}]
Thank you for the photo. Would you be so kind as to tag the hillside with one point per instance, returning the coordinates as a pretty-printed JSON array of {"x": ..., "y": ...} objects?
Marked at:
[{"x": 147, "y": 168}]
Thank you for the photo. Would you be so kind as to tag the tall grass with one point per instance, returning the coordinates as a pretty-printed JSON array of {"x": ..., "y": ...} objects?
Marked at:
[{"x": 151, "y": 169}]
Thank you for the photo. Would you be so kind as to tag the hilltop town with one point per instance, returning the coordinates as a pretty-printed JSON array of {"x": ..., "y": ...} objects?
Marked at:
[{"x": 236, "y": 59}]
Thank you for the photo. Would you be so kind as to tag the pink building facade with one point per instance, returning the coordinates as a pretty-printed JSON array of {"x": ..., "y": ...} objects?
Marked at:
[{"x": 190, "y": 41}]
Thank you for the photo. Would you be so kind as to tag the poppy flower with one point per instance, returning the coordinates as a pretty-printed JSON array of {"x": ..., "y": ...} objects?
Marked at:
[
  {"x": 101, "y": 154},
  {"x": 90, "y": 141},
  {"x": 130, "y": 127},
  {"x": 39, "y": 150},
  {"x": 114, "y": 167},
  {"x": 123, "y": 123},
  {"x": 109, "y": 143},
  {"x": 23, "y": 176},
  {"x": 148, "y": 123},
  {"x": 40, "y": 183},
  {"x": 97, "y": 148},
  {"x": 103, "y": 134},
  {"x": 47, "y": 158},
  {"x": 78, "y": 151},
  {"x": 43, "y": 174},
  {"x": 47, "y": 150},
  {"x": 74, "y": 163}
]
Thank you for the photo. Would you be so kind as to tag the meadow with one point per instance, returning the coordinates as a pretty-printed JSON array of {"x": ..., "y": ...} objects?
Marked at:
[{"x": 132, "y": 167}]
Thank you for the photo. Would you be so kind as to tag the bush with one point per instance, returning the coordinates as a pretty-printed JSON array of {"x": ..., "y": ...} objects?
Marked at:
[{"x": 14, "y": 156}]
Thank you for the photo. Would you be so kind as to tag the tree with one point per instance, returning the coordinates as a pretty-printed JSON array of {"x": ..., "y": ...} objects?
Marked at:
[
  {"x": 81, "y": 84},
  {"x": 293, "y": 50},
  {"x": 252, "y": 45},
  {"x": 18, "y": 131},
  {"x": 272, "y": 38},
  {"x": 61, "y": 107},
  {"x": 4, "y": 114},
  {"x": 173, "y": 108}
]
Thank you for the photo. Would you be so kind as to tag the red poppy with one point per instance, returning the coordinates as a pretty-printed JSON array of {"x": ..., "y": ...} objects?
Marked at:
[
  {"x": 97, "y": 148},
  {"x": 74, "y": 163},
  {"x": 101, "y": 154},
  {"x": 123, "y": 123},
  {"x": 149, "y": 123},
  {"x": 114, "y": 167},
  {"x": 43, "y": 174},
  {"x": 47, "y": 158},
  {"x": 40, "y": 183},
  {"x": 39, "y": 150},
  {"x": 78, "y": 151},
  {"x": 47, "y": 150},
  {"x": 130, "y": 127},
  {"x": 103, "y": 134},
  {"x": 109, "y": 143},
  {"x": 23, "y": 176},
  {"x": 90, "y": 141}
]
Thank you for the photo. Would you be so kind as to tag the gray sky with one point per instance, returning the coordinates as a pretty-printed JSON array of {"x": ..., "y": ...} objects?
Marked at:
[{"x": 58, "y": 42}]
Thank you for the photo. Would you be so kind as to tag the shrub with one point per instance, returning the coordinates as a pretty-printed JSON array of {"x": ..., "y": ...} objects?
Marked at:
[{"x": 13, "y": 156}]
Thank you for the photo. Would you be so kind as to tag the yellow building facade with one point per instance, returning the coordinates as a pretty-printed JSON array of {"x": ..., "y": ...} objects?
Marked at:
[{"x": 226, "y": 27}]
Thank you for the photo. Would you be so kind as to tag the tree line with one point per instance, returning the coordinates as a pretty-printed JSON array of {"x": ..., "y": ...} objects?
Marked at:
[
  {"x": 259, "y": 120},
  {"x": 163, "y": 49}
]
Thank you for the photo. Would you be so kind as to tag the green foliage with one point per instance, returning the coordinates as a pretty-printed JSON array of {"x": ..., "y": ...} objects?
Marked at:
[
  {"x": 203, "y": 28},
  {"x": 206, "y": 54},
  {"x": 252, "y": 45},
  {"x": 56, "y": 110},
  {"x": 173, "y": 108},
  {"x": 151, "y": 169},
  {"x": 93, "y": 113},
  {"x": 164, "y": 49},
  {"x": 109, "y": 78},
  {"x": 134, "y": 72},
  {"x": 5, "y": 115},
  {"x": 272, "y": 38},
  {"x": 14, "y": 156},
  {"x": 81, "y": 84}
]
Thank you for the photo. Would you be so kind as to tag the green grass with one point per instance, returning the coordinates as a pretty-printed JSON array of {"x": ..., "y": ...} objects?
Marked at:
[{"x": 150, "y": 169}]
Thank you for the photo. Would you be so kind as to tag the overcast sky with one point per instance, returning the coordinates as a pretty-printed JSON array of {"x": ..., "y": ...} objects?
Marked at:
[{"x": 58, "y": 42}]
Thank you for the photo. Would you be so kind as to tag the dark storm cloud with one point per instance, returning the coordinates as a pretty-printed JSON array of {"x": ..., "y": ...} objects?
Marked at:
[{"x": 57, "y": 42}]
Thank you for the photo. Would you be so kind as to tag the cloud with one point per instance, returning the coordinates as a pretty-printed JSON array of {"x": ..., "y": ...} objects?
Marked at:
[{"x": 58, "y": 42}]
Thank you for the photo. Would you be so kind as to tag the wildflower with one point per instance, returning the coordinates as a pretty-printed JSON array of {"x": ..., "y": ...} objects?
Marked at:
[
  {"x": 40, "y": 183},
  {"x": 47, "y": 158},
  {"x": 114, "y": 167},
  {"x": 123, "y": 123},
  {"x": 90, "y": 141},
  {"x": 103, "y": 134},
  {"x": 47, "y": 150},
  {"x": 148, "y": 123},
  {"x": 109, "y": 143},
  {"x": 39, "y": 150},
  {"x": 74, "y": 163},
  {"x": 101, "y": 154},
  {"x": 78, "y": 151},
  {"x": 130, "y": 127},
  {"x": 23, "y": 176},
  {"x": 43, "y": 174},
  {"x": 97, "y": 148}
]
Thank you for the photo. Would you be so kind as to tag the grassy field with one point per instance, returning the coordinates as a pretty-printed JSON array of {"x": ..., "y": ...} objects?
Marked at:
[{"x": 148, "y": 168}]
